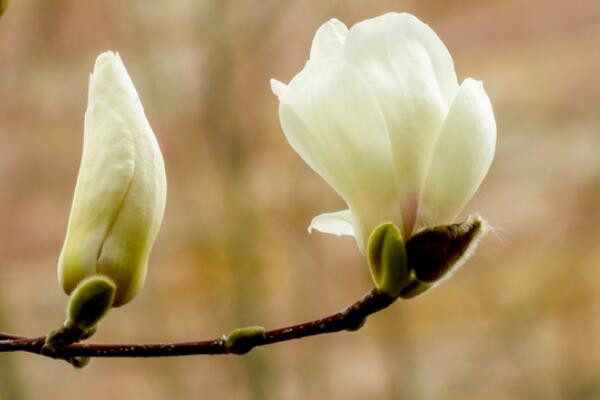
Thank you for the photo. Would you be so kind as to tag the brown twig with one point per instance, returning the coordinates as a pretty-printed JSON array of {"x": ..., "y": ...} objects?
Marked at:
[
  {"x": 351, "y": 318},
  {"x": 8, "y": 336}
]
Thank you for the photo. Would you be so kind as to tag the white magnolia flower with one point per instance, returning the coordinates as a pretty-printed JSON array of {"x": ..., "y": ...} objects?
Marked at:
[
  {"x": 378, "y": 112},
  {"x": 121, "y": 188}
]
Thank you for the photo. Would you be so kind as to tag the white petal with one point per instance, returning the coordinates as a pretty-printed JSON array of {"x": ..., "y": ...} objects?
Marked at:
[
  {"x": 336, "y": 223},
  {"x": 330, "y": 117},
  {"x": 462, "y": 156},
  {"x": 412, "y": 75},
  {"x": 329, "y": 39},
  {"x": 277, "y": 87},
  {"x": 125, "y": 251}
]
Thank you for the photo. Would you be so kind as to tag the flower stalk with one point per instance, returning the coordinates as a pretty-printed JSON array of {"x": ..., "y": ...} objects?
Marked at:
[{"x": 349, "y": 319}]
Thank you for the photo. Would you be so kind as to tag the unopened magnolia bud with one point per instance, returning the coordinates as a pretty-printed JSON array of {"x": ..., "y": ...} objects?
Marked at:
[
  {"x": 242, "y": 340},
  {"x": 387, "y": 259},
  {"x": 434, "y": 252},
  {"x": 121, "y": 187},
  {"x": 89, "y": 302}
]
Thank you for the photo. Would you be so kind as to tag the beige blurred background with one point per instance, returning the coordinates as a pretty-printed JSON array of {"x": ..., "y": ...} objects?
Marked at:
[{"x": 520, "y": 321}]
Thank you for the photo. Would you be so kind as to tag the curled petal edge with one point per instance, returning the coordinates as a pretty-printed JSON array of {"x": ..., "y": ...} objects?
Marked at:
[{"x": 338, "y": 223}]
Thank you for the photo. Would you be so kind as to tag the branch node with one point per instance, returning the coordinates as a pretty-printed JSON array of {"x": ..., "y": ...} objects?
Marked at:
[{"x": 242, "y": 340}]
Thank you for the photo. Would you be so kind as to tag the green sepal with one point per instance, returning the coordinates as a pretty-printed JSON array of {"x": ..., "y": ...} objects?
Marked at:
[
  {"x": 387, "y": 259},
  {"x": 89, "y": 302},
  {"x": 242, "y": 340},
  {"x": 414, "y": 288},
  {"x": 88, "y": 333}
]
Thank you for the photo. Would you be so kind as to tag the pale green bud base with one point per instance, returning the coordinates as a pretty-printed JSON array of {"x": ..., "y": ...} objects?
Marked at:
[
  {"x": 89, "y": 302},
  {"x": 414, "y": 288},
  {"x": 387, "y": 259}
]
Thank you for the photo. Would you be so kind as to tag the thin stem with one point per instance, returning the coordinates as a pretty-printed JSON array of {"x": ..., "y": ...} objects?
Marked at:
[
  {"x": 8, "y": 336},
  {"x": 351, "y": 318}
]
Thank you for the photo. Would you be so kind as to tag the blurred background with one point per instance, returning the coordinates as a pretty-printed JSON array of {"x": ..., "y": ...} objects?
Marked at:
[{"x": 521, "y": 320}]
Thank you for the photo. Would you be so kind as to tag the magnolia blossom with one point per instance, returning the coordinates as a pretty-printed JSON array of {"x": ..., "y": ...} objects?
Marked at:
[
  {"x": 378, "y": 112},
  {"x": 120, "y": 195}
]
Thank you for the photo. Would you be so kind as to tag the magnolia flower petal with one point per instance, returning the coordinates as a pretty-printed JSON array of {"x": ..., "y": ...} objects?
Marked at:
[
  {"x": 336, "y": 223},
  {"x": 332, "y": 120},
  {"x": 412, "y": 75},
  {"x": 125, "y": 252},
  {"x": 462, "y": 156},
  {"x": 277, "y": 87},
  {"x": 409, "y": 45},
  {"x": 329, "y": 39}
]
